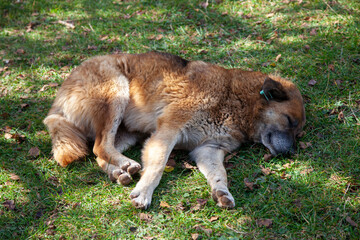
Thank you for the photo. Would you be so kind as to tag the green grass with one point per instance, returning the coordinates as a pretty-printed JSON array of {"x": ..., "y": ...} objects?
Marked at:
[{"x": 313, "y": 195}]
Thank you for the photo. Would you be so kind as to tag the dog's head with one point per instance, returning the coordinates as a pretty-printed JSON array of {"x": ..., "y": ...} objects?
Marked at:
[{"x": 282, "y": 117}]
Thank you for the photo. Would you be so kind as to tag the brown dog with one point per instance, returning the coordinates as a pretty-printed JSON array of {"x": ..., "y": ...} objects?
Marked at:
[{"x": 117, "y": 100}]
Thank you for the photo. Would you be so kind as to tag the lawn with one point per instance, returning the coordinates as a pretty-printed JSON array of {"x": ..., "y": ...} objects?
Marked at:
[{"x": 314, "y": 194}]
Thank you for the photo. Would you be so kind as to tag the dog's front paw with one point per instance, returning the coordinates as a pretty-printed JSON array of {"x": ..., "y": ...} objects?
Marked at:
[
  {"x": 223, "y": 198},
  {"x": 140, "y": 200}
]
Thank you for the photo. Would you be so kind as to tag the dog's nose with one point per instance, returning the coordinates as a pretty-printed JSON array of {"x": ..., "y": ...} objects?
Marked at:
[{"x": 283, "y": 143}]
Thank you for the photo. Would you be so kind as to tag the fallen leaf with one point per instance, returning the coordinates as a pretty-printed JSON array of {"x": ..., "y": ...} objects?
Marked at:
[
  {"x": 15, "y": 177},
  {"x": 204, "y": 4},
  {"x": 9, "y": 204},
  {"x": 286, "y": 165},
  {"x": 301, "y": 134},
  {"x": 92, "y": 47},
  {"x": 303, "y": 145},
  {"x": 202, "y": 202},
  {"x": 159, "y": 37},
  {"x": 306, "y": 171},
  {"x": 214, "y": 218},
  {"x": 264, "y": 222},
  {"x": 265, "y": 171},
  {"x": 168, "y": 168},
  {"x": 8, "y": 135},
  {"x": 145, "y": 217},
  {"x": 196, "y": 236},
  {"x": 126, "y": 16},
  {"x": 338, "y": 83},
  {"x": 307, "y": 47},
  {"x": 249, "y": 184},
  {"x": 24, "y": 105},
  {"x": 313, "y": 32},
  {"x": 341, "y": 116},
  {"x": 331, "y": 67},
  {"x": 267, "y": 157},
  {"x": 285, "y": 176},
  {"x": 34, "y": 152},
  {"x": 53, "y": 84},
  {"x": 312, "y": 82},
  {"x": 352, "y": 223},
  {"x": 187, "y": 165},
  {"x": 277, "y": 58},
  {"x": 20, "y": 51},
  {"x": 164, "y": 204},
  {"x": 66, "y": 24},
  {"x": 44, "y": 88},
  {"x": 230, "y": 156}
]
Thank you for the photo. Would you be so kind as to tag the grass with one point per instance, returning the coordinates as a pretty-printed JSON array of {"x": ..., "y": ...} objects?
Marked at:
[{"x": 313, "y": 195}]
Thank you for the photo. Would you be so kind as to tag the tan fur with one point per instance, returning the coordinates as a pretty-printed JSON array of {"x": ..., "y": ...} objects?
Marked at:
[{"x": 117, "y": 100}]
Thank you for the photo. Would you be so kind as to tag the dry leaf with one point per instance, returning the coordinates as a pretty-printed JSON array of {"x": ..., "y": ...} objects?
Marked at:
[
  {"x": 307, "y": 47},
  {"x": 214, "y": 218},
  {"x": 301, "y": 134},
  {"x": 159, "y": 37},
  {"x": 267, "y": 157},
  {"x": 313, "y": 32},
  {"x": 285, "y": 176},
  {"x": 44, "y": 88},
  {"x": 231, "y": 155},
  {"x": 145, "y": 217},
  {"x": 341, "y": 116},
  {"x": 264, "y": 222},
  {"x": 67, "y": 24},
  {"x": 34, "y": 152},
  {"x": 266, "y": 171},
  {"x": 9, "y": 204},
  {"x": 352, "y": 223},
  {"x": 24, "y": 105},
  {"x": 164, "y": 204},
  {"x": 306, "y": 171},
  {"x": 195, "y": 236},
  {"x": 249, "y": 184},
  {"x": 53, "y": 84},
  {"x": 202, "y": 202},
  {"x": 277, "y": 58},
  {"x": 8, "y": 135},
  {"x": 204, "y": 4},
  {"x": 312, "y": 82},
  {"x": 303, "y": 145},
  {"x": 187, "y": 165},
  {"x": 331, "y": 67},
  {"x": 92, "y": 47},
  {"x": 20, "y": 51},
  {"x": 15, "y": 177}
]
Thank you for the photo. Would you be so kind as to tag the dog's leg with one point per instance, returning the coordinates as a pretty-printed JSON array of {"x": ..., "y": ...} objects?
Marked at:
[
  {"x": 106, "y": 122},
  {"x": 154, "y": 157},
  {"x": 209, "y": 160}
]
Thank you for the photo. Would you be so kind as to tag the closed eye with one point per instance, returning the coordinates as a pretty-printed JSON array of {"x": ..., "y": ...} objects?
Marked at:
[{"x": 293, "y": 123}]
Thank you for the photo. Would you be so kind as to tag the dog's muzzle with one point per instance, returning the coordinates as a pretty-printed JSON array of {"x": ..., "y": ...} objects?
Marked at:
[{"x": 278, "y": 142}]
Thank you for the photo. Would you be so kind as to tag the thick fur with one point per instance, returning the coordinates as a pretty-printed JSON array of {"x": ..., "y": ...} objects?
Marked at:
[{"x": 117, "y": 100}]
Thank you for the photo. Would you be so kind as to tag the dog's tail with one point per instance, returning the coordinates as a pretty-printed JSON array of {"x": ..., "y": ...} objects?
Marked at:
[{"x": 68, "y": 141}]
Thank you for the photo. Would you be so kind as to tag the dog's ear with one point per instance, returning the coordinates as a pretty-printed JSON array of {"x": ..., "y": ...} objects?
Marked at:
[{"x": 273, "y": 90}]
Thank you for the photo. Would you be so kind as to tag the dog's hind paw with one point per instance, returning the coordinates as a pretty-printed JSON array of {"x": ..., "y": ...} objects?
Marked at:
[
  {"x": 131, "y": 167},
  {"x": 223, "y": 198},
  {"x": 120, "y": 176}
]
